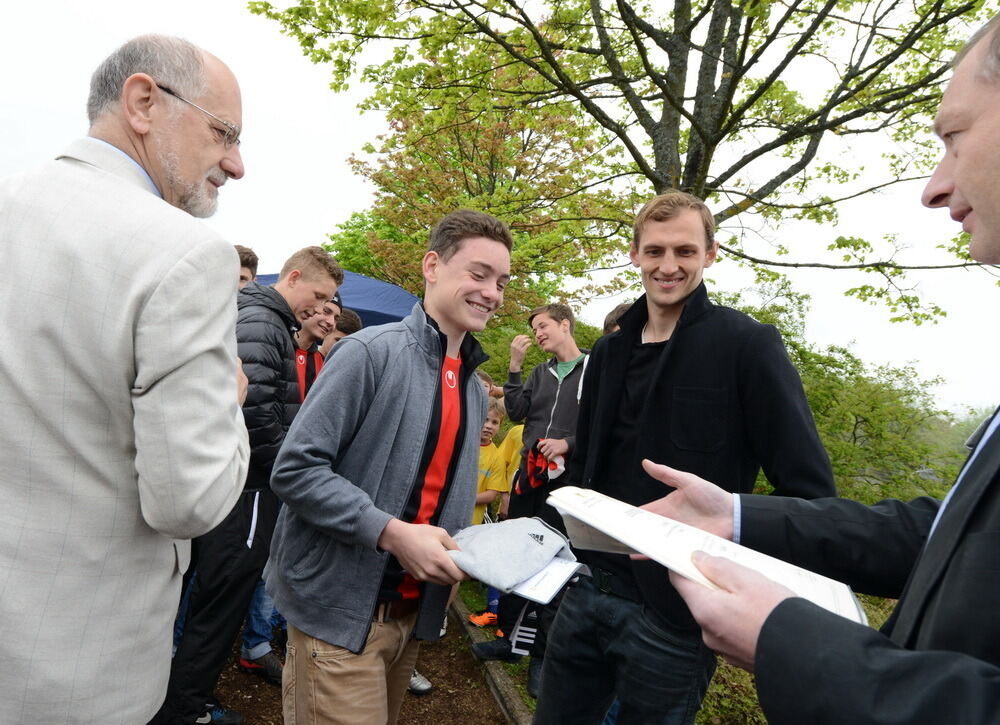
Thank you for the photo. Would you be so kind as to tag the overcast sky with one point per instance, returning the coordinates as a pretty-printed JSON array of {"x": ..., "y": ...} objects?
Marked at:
[{"x": 298, "y": 186}]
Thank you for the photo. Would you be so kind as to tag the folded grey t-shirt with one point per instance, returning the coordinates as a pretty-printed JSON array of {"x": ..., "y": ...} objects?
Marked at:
[{"x": 504, "y": 554}]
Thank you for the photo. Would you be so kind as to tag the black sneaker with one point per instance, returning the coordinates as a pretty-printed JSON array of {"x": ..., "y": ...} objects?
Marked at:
[
  {"x": 269, "y": 667},
  {"x": 216, "y": 714},
  {"x": 497, "y": 649}
]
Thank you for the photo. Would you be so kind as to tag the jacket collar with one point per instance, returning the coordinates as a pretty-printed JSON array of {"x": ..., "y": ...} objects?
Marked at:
[
  {"x": 696, "y": 306},
  {"x": 111, "y": 159},
  {"x": 435, "y": 342},
  {"x": 257, "y": 294}
]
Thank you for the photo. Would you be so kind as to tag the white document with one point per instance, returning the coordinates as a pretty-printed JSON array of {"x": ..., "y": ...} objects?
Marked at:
[
  {"x": 601, "y": 523},
  {"x": 546, "y": 584}
]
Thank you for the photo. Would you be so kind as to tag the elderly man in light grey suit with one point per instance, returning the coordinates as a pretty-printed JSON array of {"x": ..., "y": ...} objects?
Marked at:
[{"x": 120, "y": 388}]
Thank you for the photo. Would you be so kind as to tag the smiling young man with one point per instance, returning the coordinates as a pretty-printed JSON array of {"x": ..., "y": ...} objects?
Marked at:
[
  {"x": 695, "y": 385},
  {"x": 374, "y": 485},
  {"x": 315, "y": 328}
]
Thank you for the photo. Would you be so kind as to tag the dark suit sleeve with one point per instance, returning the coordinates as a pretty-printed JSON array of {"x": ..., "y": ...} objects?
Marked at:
[
  {"x": 778, "y": 421},
  {"x": 871, "y": 548},
  {"x": 815, "y": 667}
]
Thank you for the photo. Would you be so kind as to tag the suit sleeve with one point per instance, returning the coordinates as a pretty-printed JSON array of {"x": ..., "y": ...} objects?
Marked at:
[
  {"x": 778, "y": 421},
  {"x": 191, "y": 443},
  {"x": 871, "y": 548},
  {"x": 305, "y": 473},
  {"x": 815, "y": 667}
]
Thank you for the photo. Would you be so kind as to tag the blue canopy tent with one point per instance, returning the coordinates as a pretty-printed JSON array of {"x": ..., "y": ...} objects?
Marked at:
[{"x": 375, "y": 301}]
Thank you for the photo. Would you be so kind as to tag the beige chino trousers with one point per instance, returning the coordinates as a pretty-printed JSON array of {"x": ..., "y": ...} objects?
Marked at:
[{"x": 329, "y": 685}]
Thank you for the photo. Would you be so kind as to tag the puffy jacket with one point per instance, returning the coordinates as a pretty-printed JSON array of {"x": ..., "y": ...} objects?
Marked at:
[{"x": 264, "y": 328}]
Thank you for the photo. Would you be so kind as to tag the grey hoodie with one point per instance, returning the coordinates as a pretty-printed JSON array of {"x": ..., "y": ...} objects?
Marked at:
[{"x": 348, "y": 465}]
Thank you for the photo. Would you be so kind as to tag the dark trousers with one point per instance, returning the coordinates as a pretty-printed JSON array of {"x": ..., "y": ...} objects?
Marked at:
[
  {"x": 602, "y": 646},
  {"x": 228, "y": 571}
]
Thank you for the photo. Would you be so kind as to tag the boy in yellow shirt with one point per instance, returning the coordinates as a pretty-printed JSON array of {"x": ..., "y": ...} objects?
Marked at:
[
  {"x": 492, "y": 466},
  {"x": 493, "y": 482}
]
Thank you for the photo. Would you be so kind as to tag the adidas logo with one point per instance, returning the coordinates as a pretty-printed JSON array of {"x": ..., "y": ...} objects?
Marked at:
[{"x": 540, "y": 538}]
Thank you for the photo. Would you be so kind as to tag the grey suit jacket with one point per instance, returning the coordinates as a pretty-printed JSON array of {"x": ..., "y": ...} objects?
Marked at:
[{"x": 120, "y": 432}]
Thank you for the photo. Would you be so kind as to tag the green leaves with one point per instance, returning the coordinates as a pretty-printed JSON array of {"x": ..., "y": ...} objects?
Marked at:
[{"x": 578, "y": 110}]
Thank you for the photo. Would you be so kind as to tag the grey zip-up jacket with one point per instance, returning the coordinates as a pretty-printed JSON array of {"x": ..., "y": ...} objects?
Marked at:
[
  {"x": 348, "y": 465},
  {"x": 549, "y": 407}
]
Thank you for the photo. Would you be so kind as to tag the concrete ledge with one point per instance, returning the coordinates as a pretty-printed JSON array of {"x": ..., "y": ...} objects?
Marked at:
[{"x": 501, "y": 685}]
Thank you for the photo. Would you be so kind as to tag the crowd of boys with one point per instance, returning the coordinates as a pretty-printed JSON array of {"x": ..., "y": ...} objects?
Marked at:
[{"x": 229, "y": 438}]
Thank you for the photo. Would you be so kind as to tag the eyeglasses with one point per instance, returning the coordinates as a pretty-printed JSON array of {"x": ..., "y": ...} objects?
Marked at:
[{"x": 230, "y": 136}]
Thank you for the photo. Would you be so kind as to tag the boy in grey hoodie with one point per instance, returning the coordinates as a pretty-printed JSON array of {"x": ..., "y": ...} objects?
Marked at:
[{"x": 376, "y": 473}]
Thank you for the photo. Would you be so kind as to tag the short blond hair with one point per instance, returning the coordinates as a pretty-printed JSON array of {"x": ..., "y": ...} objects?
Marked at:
[
  {"x": 495, "y": 405},
  {"x": 313, "y": 262}
]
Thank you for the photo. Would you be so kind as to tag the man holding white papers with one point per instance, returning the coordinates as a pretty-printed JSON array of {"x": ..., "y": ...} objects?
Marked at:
[
  {"x": 702, "y": 387},
  {"x": 937, "y": 659}
]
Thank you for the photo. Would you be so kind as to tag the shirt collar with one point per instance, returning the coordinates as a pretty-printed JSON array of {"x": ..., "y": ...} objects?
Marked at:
[{"x": 149, "y": 179}]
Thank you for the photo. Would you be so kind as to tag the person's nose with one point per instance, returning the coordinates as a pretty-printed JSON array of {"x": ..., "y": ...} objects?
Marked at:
[
  {"x": 232, "y": 163},
  {"x": 940, "y": 186},
  {"x": 668, "y": 264}
]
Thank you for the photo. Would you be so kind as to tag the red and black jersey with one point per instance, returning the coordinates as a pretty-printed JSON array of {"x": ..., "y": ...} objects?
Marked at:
[
  {"x": 307, "y": 367},
  {"x": 437, "y": 468}
]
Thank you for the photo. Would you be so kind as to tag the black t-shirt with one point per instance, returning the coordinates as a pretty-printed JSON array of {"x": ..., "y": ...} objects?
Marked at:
[{"x": 623, "y": 468}]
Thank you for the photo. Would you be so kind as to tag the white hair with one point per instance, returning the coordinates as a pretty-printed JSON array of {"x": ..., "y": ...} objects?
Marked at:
[{"x": 172, "y": 62}]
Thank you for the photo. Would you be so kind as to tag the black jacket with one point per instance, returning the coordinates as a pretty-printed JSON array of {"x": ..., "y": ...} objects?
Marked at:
[
  {"x": 264, "y": 329},
  {"x": 724, "y": 402},
  {"x": 937, "y": 658}
]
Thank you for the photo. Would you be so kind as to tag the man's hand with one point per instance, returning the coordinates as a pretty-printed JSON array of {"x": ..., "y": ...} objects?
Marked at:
[
  {"x": 422, "y": 551},
  {"x": 552, "y": 447},
  {"x": 518, "y": 347},
  {"x": 695, "y": 501},
  {"x": 241, "y": 383},
  {"x": 732, "y": 616}
]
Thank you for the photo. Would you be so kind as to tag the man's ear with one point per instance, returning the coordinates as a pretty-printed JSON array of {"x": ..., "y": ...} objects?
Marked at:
[
  {"x": 429, "y": 266},
  {"x": 712, "y": 253},
  {"x": 140, "y": 98},
  {"x": 633, "y": 254},
  {"x": 293, "y": 277}
]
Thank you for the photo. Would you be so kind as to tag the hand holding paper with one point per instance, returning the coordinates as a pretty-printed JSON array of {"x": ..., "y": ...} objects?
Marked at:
[{"x": 732, "y": 615}]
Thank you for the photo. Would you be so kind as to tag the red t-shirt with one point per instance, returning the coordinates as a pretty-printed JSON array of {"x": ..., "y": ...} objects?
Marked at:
[{"x": 437, "y": 470}]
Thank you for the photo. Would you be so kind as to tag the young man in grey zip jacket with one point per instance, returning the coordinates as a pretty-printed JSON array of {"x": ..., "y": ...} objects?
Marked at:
[
  {"x": 548, "y": 403},
  {"x": 377, "y": 471}
]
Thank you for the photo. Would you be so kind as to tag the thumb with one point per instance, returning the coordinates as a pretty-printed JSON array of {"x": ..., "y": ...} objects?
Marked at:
[
  {"x": 447, "y": 542},
  {"x": 724, "y": 573},
  {"x": 670, "y": 476}
]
